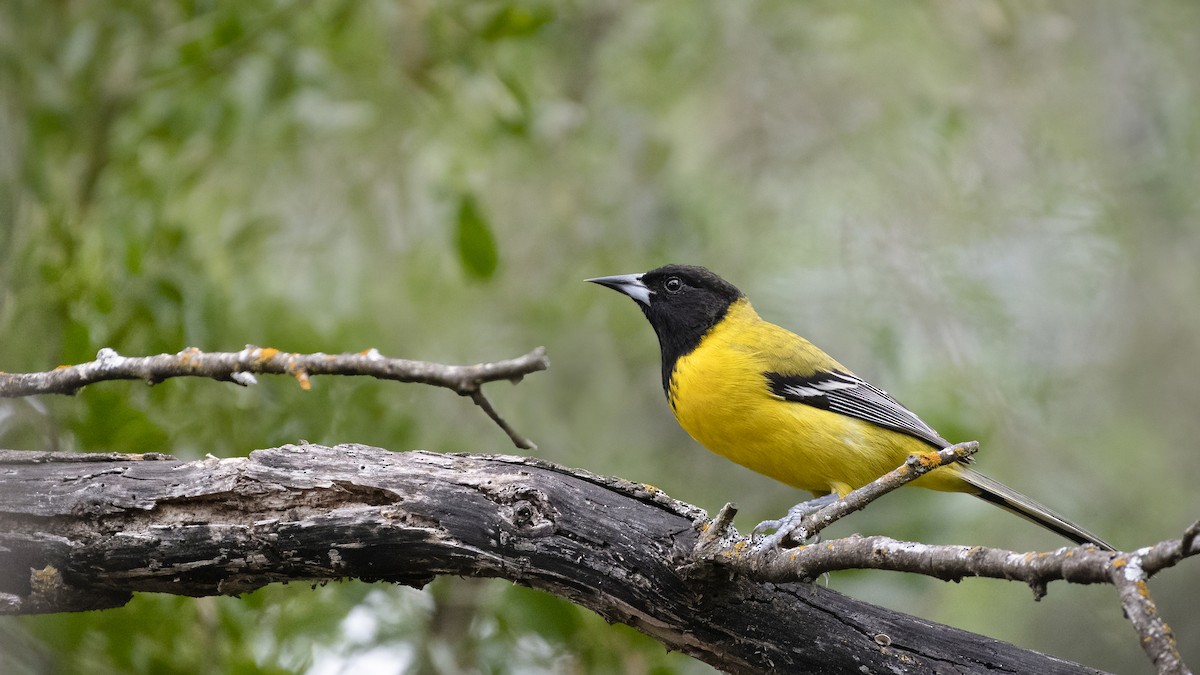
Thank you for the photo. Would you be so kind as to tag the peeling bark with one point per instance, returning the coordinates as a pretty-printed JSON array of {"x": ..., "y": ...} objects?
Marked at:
[{"x": 85, "y": 531}]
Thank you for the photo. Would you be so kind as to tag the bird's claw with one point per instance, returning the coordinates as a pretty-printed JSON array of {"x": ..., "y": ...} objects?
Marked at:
[
  {"x": 789, "y": 525},
  {"x": 768, "y": 525}
]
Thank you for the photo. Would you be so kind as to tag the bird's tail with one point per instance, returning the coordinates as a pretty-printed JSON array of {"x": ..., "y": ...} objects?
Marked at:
[{"x": 1014, "y": 502}]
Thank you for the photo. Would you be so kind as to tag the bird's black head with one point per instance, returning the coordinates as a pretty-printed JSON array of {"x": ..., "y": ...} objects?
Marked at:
[{"x": 682, "y": 303}]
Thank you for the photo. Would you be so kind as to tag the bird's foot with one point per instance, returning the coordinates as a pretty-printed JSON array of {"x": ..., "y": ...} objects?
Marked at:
[{"x": 789, "y": 525}]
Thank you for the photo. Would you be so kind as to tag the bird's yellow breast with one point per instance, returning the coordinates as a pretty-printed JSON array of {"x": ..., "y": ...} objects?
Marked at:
[{"x": 720, "y": 396}]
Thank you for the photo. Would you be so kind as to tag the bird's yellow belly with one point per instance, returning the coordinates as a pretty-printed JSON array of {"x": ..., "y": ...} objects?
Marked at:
[{"x": 727, "y": 407}]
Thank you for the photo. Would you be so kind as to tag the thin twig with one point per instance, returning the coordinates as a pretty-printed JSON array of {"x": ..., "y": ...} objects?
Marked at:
[
  {"x": 1081, "y": 565},
  {"x": 913, "y": 468},
  {"x": 517, "y": 439},
  {"x": 1156, "y": 638},
  {"x": 241, "y": 367}
]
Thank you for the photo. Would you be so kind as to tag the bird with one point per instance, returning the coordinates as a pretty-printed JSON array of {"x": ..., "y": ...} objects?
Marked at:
[{"x": 773, "y": 402}]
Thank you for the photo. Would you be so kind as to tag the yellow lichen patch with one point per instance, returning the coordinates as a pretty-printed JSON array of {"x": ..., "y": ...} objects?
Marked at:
[
  {"x": 1119, "y": 563},
  {"x": 929, "y": 460},
  {"x": 1142, "y": 588},
  {"x": 268, "y": 353},
  {"x": 302, "y": 378},
  {"x": 64, "y": 366}
]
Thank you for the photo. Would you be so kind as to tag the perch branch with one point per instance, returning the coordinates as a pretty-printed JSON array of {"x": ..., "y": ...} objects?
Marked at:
[
  {"x": 1082, "y": 565},
  {"x": 716, "y": 539},
  {"x": 241, "y": 367},
  {"x": 1074, "y": 564},
  {"x": 856, "y": 500},
  {"x": 719, "y": 544}
]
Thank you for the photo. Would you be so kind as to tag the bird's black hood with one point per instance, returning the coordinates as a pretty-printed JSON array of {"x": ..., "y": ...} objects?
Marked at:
[{"x": 682, "y": 303}]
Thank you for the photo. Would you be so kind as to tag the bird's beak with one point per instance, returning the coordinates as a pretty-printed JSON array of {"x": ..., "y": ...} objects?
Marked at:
[{"x": 629, "y": 284}]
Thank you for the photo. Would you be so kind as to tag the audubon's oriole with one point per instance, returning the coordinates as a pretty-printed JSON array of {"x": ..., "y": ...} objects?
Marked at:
[{"x": 773, "y": 402}]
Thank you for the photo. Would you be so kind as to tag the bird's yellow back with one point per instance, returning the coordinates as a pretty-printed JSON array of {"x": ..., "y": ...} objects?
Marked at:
[{"x": 720, "y": 396}]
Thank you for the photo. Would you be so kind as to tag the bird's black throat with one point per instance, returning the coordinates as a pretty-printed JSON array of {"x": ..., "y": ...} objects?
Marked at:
[{"x": 681, "y": 318}]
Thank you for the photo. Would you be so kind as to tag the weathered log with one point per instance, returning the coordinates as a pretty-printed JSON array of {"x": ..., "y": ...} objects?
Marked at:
[{"x": 82, "y": 532}]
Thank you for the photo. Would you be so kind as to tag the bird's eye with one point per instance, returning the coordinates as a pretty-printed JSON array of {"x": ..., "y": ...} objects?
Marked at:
[{"x": 673, "y": 285}]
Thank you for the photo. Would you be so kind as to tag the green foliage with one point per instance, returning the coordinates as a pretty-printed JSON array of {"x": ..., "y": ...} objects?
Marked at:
[
  {"x": 516, "y": 20},
  {"x": 988, "y": 208},
  {"x": 474, "y": 241}
]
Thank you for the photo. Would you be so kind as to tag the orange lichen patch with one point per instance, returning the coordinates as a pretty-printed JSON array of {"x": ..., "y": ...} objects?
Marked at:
[
  {"x": 1119, "y": 563},
  {"x": 185, "y": 356},
  {"x": 1142, "y": 589},
  {"x": 929, "y": 460},
  {"x": 302, "y": 378},
  {"x": 268, "y": 353},
  {"x": 366, "y": 351},
  {"x": 64, "y": 366}
]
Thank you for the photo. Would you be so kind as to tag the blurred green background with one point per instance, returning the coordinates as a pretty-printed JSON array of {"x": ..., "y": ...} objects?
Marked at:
[{"x": 988, "y": 208}]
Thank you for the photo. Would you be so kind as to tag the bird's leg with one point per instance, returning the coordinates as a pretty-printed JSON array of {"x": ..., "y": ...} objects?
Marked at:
[{"x": 787, "y": 524}]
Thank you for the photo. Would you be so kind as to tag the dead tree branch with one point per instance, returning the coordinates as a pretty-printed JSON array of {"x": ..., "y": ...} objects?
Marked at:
[
  {"x": 85, "y": 531},
  {"x": 721, "y": 545},
  {"x": 241, "y": 367}
]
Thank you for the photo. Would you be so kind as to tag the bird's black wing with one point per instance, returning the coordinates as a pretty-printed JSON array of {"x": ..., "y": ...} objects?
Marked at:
[{"x": 847, "y": 394}]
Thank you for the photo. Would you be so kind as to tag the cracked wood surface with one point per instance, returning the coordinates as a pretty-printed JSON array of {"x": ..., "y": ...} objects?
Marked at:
[{"x": 82, "y": 532}]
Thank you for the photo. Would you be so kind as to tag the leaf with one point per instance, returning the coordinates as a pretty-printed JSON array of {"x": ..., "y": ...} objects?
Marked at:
[
  {"x": 516, "y": 21},
  {"x": 474, "y": 239}
]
